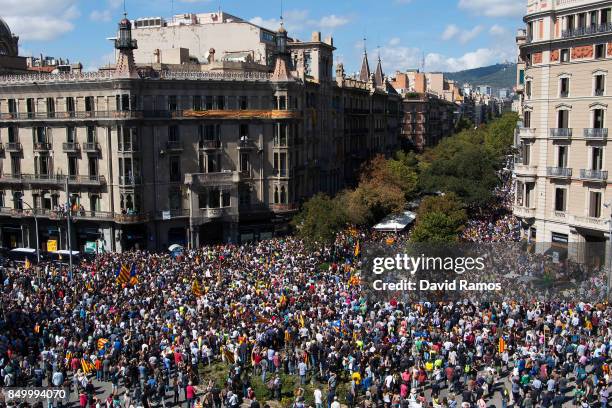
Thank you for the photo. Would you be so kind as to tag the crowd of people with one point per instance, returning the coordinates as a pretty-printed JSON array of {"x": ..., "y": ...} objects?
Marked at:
[{"x": 293, "y": 326}]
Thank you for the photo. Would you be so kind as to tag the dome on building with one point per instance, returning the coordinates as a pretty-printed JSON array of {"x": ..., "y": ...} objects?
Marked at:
[{"x": 8, "y": 41}]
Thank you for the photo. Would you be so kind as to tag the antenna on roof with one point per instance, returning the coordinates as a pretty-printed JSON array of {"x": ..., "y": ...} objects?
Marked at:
[
  {"x": 365, "y": 45},
  {"x": 124, "y": 10},
  {"x": 281, "y": 11},
  {"x": 219, "y": 7}
]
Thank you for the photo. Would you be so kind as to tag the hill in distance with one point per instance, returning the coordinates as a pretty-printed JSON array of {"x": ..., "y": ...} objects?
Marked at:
[{"x": 497, "y": 76}]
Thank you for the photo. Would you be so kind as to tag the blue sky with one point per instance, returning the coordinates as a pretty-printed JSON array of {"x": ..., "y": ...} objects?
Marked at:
[{"x": 451, "y": 34}]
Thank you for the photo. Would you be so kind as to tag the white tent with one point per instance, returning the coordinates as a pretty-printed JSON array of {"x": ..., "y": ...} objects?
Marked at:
[{"x": 396, "y": 222}]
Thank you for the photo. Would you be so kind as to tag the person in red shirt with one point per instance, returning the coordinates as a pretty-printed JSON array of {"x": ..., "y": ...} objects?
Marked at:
[{"x": 190, "y": 393}]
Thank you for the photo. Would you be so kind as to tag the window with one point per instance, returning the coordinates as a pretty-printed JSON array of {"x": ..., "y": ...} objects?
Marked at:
[
  {"x": 17, "y": 200},
  {"x": 12, "y": 106},
  {"x": 221, "y": 102},
  {"x": 283, "y": 164},
  {"x": 91, "y": 134},
  {"x": 244, "y": 103},
  {"x": 89, "y": 104},
  {"x": 563, "y": 119},
  {"x": 527, "y": 119},
  {"x": 596, "y": 158},
  {"x": 564, "y": 85},
  {"x": 93, "y": 166},
  {"x": 173, "y": 133},
  {"x": 561, "y": 156},
  {"x": 244, "y": 162},
  {"x": 595, "y": 204},
  {"x": 172, "y": 104},
  {"x": 244, "y": 131},
  {"x": 600, "y": 51},
  {"x": 600, "y": 84},
  {"x": 13, "y": 135},
  {"x": 70, "y": 105},
  {"x": 605, "y": 16},
  {"x": 50, "y": 107},
  {"x": 565, "y": 55},
  {"x": 73, "y": 166},
  {"x": 30, "y": 107},
  {"x": 225, "y": 198},
  {"x": 529, "y": 199},
  {"x": 209, "y": 103},
  {"x": 174, "y": 198},
  {"x": 598, "y": 118},
  {"x": 94, "y": 203},
  {"x": 203, "y": 199},
  {"x": 15, "y": 165},
  {"x": 214, "y": 198},
  {"x": 525, "y": 153},
  {"x": 175, "y": 168},
  {"x": 70, "y": 134},
  {"x": 197, "y": 102},
  {"x": 528, "y": 89},
  {"x": 560, "y": 194},
  {"x": 275, "y": 164},
  {"x": 42, "y": 167}
]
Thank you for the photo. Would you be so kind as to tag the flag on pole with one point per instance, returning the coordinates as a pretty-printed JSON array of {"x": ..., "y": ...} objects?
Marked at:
[
  {"x": 133, "y": 275},
  {"x": 123, "y": 275}
]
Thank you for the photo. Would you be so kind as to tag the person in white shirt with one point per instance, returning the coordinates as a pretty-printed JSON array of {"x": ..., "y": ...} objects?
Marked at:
[
  {"x": 318, "y": 398},
  {"x": 335, "y": 404}
]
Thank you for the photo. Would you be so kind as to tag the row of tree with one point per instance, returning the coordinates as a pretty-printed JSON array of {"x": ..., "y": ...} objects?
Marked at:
[{"x": 455, "y": 178}]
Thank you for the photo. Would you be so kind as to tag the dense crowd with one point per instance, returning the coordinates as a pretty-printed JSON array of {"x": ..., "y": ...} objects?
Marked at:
[{"x": 274, "y": 310}]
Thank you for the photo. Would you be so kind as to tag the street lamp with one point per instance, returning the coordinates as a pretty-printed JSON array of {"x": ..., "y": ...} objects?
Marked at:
[{"x": 35, "y": 224}]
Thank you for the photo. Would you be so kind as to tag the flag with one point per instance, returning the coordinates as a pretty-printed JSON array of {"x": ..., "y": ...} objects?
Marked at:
[
  {"x": 195, "y": 287},
  {"x": 357, "y": 249},
  {"x": 133, "y": 275},
  {"x": 123, "y": 275},
  {"x": 89, "y": 287},
  {"x": 28, "y": 264},
  {"x": 87, "y": 366},
  {"x": 102, "y": 343},
  {"x": 302, "y": 320}
]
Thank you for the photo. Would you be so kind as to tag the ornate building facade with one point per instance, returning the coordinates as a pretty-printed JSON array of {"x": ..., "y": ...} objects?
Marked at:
[{"x": 145, "y": 158}]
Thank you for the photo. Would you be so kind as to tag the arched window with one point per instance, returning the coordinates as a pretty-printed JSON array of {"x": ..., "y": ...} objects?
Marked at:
[
  {"x": 283, "y": 195},
  {"x": 129, "y": 203},
  {"x": 276, "y": 195}
]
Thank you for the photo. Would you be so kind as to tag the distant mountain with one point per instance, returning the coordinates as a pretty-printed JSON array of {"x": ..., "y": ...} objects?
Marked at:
[{"x": 497, "y": 76}]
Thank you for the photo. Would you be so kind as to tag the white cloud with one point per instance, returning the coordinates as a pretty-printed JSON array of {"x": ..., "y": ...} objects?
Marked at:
[
  {"x": 40, "y": 20},
  {"x": 297, "y": 20},
  {"x": 394, "y": 41},
  {"x": 497, "y": 30},
  {"x": 332, "y": 21},
  {"x": 462, "y": 35},
  {"x": 97, "y": 15},
  {"x": 293, "y": 20},
  {"x": 399, "y": 58},
  {"x": 450, "y": 32},
  {"x": 494, "y": 8}
]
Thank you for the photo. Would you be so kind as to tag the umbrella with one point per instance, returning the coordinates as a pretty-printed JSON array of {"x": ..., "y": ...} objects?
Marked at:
[{"x": 175, "y": 248}]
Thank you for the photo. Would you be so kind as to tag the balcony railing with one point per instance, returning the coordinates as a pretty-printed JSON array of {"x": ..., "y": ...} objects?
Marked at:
[
  {"x": 210, "y": 144},
  {"x": 127, "y": 147},
  {"x": 13, "y": 147},
  {"x": 523, "y": 212},
  {"x": 130, "y": 180},
  {"x": 42, "y": 146},
  {"x": 91, "y": 147},
  {"x": 131, "y": 218},
  {"x": 280, "y": 208},
  {"x": 70, "y": 147},
  {"x": 211, "y": 179},
  {"x": 176, "y": 213},
  {"x": 590, "y": 30},
  {"x": 596, "y": 175},
  {"x": 589, "y": 222},
  {"x": 216, "y": 212},
  {"x": 596, "y": 133},
  {"x": 561, "y": 133},
  {"x": 526, "y": 133},
  {"x": 174, "y": 145},
  {"x": 562, "y": 172},
  {"x": 93, "y": 180}
]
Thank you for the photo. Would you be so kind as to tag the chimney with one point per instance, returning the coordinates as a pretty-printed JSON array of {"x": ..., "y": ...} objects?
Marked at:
[{"x": 316, "y": 36}]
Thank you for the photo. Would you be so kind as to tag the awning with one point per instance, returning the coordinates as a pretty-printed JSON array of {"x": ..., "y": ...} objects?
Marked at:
[{"x": 396, "y": 222}]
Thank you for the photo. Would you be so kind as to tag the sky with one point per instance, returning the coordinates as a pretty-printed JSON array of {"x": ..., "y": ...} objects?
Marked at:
[{"x": 449, "y": 35}]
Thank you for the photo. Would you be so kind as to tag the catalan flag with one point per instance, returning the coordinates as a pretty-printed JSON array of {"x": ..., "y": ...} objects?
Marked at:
[
  {"x": 133, "y": 275},
  {"x": 357, "y": 249},
  {"x": 102, "y": 343},
  {"x": 28, "y": 264},
  {"x": 87, "y": 366},
  {"x": 501, "y": 347},
  {"x": 123, "y": 275},
  {"x": 195, "y": 287}
]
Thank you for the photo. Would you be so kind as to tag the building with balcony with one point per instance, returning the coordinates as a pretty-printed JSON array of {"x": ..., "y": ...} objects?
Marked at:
[
  {"x": 565, "y": 56},
  {"x": 144, "y": 158}
]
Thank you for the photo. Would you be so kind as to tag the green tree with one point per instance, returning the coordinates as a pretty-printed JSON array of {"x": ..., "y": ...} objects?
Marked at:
[
  {"x": 440, "y": 219},
  {"x": 500, "y": 134},
  {"x": 319, "y": 220}
]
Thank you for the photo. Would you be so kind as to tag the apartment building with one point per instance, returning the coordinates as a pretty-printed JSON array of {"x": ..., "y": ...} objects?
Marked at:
[
  {"x": 562, "y": 169},
  {"x": 141, "y": 158}
]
